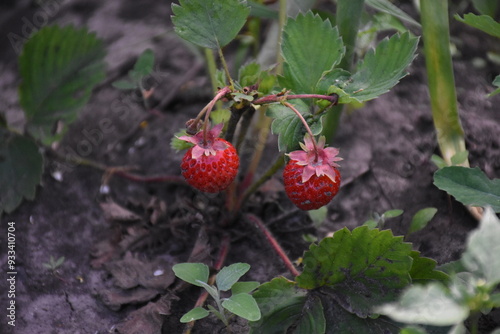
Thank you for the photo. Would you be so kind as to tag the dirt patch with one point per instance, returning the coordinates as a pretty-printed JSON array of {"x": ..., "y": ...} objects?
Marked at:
[{"x": 386, "y": 148}]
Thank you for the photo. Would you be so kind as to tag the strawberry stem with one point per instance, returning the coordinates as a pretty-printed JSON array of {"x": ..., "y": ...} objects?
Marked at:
[
  {"x": 277, "y": 98},
  {"x": 308, "y": 129},
  {"x": 206, "y": 111},
  {"x": 274, "y": 243}
]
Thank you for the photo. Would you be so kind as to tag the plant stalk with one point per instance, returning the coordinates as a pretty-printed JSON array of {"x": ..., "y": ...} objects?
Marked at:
[
  {"x": 441, "y": 81},
  {"x": 274, "y": 244}
]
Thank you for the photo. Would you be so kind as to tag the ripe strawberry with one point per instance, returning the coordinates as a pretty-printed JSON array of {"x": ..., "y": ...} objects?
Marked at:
[
  {"x": 212, "y": 164},
  {"x": 312, "y": 178}
]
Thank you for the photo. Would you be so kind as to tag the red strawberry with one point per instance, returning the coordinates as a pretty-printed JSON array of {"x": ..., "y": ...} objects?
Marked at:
[
  {"x": 212, "y": 164},
  {"x": 311, "y": 176}
]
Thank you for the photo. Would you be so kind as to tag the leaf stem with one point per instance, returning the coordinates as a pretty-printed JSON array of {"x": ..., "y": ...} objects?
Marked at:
[
  {"x": 193, "y": 126},
  {"x": 278, "y": 98},
  {"x": 116, "y": 170},
  {"x": 226, "y": 69},
  {"x": 274, "y": 243}
]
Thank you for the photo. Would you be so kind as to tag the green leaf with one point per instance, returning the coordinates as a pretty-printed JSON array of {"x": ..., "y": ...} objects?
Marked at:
[
  {"x": 261, "y": 11},
  {"x": 387, "y": 7},
  {"x": 460, "y": 157},
  {"x": 423, "y": 269},
  {"x": 469, "y": 186},
  {"x": 124, "y": 84},
  {"x": 249, "y": 74},
  {"x": 288, "y": 126},
  {"x": 438, "y": 161},
  {"x": 362, "y": 267},
  {"x": 59, "y": 68},
  {"x": 243, "y": 305},
  {"x": 421, "y": 219},
  {"x": 484, "y": 23},
  {"x": 209, "y": 24},
  {"x": 382, "y": 68},
  {"x": 21, "y": 168},
  {"x": 308, "y": 32},
  {"x": 220, "y": 116},
  {"x": 340, "y": 320},
  {"x": 229, "y": 275},
  {"x": 195, "y": 314},
  {"x": 59, "y": 261},
  {"x": 313, "y": 317},
  {"x": 318, "y": 216},
  {"x": 192, "y": 272},
  {"x": 143, "y": 66},
  {"x": 483, "y": 248},
  {"x": 244, "y": 287},
  {"x": 281, "y": 304},
  {"x": 495, "y": 299},
  {"x": 178, "y": 144},
  {"x": 486, "y": 7},
  {"x": 429, "y": 305},
  {"x": 496, "y": 83},
  {"x": 392, "y": 213}
]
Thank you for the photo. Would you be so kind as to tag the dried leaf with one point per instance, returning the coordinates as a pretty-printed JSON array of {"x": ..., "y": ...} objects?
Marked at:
[{"x": 113, "y": 211}]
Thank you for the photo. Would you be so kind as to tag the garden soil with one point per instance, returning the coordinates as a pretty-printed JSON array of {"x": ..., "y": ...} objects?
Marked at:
[{"x": 119, "y": 236}]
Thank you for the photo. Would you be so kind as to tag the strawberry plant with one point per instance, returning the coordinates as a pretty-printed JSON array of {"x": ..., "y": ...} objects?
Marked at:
[
  {"x": 296, "y": 94},
  {"x": 59, "y": 67}
]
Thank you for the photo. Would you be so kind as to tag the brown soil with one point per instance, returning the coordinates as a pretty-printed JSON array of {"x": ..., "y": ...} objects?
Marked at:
[{"x": 105, "y": 282}]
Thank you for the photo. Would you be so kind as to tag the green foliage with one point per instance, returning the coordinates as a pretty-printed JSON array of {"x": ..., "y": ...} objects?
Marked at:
[
  {"x": 59, "y": 68},
  {"x": 429, "y": 304},
  {"x": 366, "y": 259},
  {"x": 228, "y": 276},
  {"x": 423, "y": 269},
  {"x": 486, "y": 7},
  {"x": 53, "y": 264},
  {"x": 302, "y": 35},
  {"x": 21, "y": 167},
  {"x": 142, "y": 68},
  {"x": 388, "y": 7},
  {"x": 193, "y": 273},
  {"x": 282, "y": 305},
  {"x": 179, "y": 145},
  {"x": 484, "y": 23},
  {"x": 240, "y": 303},
  {"x": 288, "y": 126},
  {"x": 496, "y": 83},
  {"x": 209, "y": 24},
  {"x": 471, "y": 290},
  {"x": 421, "y": 219},
  {"x": 469, "y": 186},
  {"x": 195, "y": 314},
  {"x": 380, "y": 70},
  {"x": 378, "y": 221},
  {"x": 344, "y": 278}
]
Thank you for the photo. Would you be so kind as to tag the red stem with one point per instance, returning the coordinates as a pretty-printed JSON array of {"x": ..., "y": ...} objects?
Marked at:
[
  {"x": 308, "y": 129},
  {"x": 150, "y": 179},
  {"x": 210, "y": 106},
  {"x": 274, "y": 244},
  {"x": 277, "y": 98}
]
